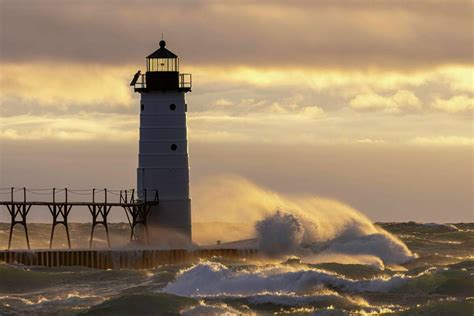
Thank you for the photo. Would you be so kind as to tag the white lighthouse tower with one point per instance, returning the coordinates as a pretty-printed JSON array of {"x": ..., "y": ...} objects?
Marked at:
[{"x": 163, "y": 147}]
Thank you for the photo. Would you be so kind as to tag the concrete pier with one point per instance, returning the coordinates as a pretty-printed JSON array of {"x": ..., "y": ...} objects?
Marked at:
[{"x": 117, "y": 259}]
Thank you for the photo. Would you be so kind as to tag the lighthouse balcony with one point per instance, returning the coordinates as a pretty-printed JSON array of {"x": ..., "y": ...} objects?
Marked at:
[{"x": 162, "y": 81}]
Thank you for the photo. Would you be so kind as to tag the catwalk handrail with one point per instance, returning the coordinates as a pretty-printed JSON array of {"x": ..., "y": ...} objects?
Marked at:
[
  {"x": 127, "y": 197},
  {"x": 136, "y": 205}
]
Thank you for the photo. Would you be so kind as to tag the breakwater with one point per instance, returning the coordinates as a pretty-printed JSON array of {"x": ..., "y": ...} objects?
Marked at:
[{"x": 118, "y": 259}]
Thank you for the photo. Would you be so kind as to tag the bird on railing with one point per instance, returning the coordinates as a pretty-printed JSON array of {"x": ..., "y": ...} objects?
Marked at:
[{"x": 135, "y": 78}]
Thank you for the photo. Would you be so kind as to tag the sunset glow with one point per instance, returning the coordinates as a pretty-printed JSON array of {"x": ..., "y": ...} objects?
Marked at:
[{"x": 385, "y": 76}]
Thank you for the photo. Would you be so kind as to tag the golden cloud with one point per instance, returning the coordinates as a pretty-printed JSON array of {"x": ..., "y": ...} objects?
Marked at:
[
  {"x": 66, "y": 85},
  {"x": 239, "y": 104},
  {"x": 456, "y": 104},
  {"x": 443, "y": 141},
  {"x": 88, "y": 86},
  {"x": 110, "y": 127},
  {"x": 401, "y": 100}
]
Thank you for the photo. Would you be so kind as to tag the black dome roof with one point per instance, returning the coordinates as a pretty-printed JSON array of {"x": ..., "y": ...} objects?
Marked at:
[{"x": 162, "y": 52}]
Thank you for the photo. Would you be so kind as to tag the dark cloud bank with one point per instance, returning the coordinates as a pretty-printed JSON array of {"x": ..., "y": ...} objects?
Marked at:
[{"x": 336, "y": 34}]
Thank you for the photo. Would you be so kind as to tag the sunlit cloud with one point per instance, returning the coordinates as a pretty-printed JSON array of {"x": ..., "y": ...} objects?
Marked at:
[
  {"x": 370, "y": 141},
  {"x": 460, "y": 79},
  {"x": 455, "y": 104},
  {"x": 83, "y": 85},
  {"x": 443, "y": 141},
  {"x": 317, "y": 79},
  {"x": 240, "y": 104},
  {"x": 90, "y": 126},
  {"x": 65, "y": 85},
  {"x": 402, "y": 100},
  {"x": 346, "y": 98}
]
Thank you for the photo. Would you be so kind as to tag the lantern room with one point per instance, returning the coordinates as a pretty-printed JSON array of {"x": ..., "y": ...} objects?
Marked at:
[
  {"x": 162, "y": 73},
  {"x": 162, "y": 60}
]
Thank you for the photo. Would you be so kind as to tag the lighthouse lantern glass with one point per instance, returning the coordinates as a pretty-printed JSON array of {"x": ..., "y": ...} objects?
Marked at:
[{"x": 162, "y": 64}]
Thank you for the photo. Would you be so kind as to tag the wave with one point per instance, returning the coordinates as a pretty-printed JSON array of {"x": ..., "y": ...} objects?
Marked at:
[
  {"x": 443, "y": 307},
  {"x": 215, "y": 279},
  {"x": 286, "y": 233},
  {"x": 294, "y": 225},
  {"x": 62, "y": 304},
  {"x": 214, "y": 309},
  {"x": 142, "y": 304},
  {"x": 19, "y": 279},
  {"x": 211, "y": 279},
  {"x": 450, "y": 227}
]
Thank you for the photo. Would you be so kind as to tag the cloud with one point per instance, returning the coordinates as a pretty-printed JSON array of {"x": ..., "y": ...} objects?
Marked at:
[
  {"x": 90, "y": 126},
  {"x": 223, "y": 102},
  {"x": 456, "y": 104},
  {"x": 460, "y": 79},
  {"x": 312, "y": 112},
  {"x": 443, "y": 141},
  {"x": 235, "y": 90},
  {"x": 401, "y": 101},
  {"x": 65, "y": 85},
  {"x": 240, "y": 104},
  {"x": 263, "y": 108},
  {"x": 317, "y": 34},
  {"x": 323, "y": 79},
  {"x": 370, "y": 141}
]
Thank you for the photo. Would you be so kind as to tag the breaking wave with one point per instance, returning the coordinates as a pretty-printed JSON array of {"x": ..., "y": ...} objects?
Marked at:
[
  {"x": 214, "y": 279},
  {"x": 320, "y": 229},
  {"x": 212, "y": 309},
  {"x": 282, "y": 233},
  {"x": 287, "y": 285},
  {"x": 279, "y": 233}
]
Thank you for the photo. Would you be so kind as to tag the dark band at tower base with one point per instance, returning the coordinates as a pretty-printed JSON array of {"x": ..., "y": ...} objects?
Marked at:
[{"x": 166, "y": 228}]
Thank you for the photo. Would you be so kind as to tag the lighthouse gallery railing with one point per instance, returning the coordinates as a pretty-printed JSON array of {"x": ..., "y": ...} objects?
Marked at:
[{"x": 185, "y": 82}]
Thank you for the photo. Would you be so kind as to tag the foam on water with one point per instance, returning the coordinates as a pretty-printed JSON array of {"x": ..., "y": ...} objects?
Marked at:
[
  {"x": 331, "y": 257},
  {"x": 436, "y": 225},
  {"x": 212, "y": 309},
  {"x": 215, "y": 279}
]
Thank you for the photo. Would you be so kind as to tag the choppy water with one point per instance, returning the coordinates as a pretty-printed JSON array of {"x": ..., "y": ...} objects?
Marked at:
[{"x": 440, "y": 281}]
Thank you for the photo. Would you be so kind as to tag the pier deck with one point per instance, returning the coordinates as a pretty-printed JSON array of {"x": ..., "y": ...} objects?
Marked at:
[{"x": 136, "y": 205}]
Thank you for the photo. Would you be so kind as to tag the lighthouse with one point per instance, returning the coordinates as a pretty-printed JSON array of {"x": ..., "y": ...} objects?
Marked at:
[{"x": 163, "y": 146}]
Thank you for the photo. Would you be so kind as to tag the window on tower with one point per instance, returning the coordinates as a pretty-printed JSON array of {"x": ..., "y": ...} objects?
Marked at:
[
  {"x": 174, "y": 147},
  {"x": 172, "y": 107}
]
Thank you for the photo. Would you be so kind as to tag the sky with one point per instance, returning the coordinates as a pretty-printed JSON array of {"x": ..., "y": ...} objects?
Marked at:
[{"x": 366, "y": 102}]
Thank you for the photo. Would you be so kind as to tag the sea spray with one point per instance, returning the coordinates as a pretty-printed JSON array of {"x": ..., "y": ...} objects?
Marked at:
[
  {"x": 280, "y": 233},
  {"x": 308, "y": 225},
  {"x": 382, "y": 245}
]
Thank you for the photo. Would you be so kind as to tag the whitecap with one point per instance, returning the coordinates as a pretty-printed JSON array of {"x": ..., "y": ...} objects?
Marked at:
[{"x": 208, "y": 279}]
